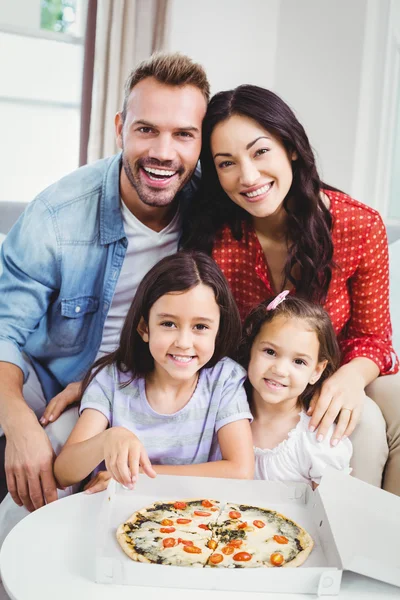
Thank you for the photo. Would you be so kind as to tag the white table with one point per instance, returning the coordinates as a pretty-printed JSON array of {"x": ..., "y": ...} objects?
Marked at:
[{"x": 50, "y": 555}]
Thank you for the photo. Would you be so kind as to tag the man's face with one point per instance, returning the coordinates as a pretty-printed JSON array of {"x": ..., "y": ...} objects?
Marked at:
[{"x": 160, "y": 139}]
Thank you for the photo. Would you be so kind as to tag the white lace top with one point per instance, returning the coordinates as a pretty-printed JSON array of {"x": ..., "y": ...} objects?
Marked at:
[{"x": 300, "y": 457}]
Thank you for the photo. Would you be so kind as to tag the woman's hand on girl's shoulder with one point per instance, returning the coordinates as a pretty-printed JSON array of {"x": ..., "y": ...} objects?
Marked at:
[
  {"x": 342, "y": 398},
  {"x": 124, "y": 454}
]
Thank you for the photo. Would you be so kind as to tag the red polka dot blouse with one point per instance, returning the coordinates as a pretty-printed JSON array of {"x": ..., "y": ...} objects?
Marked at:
[{"x": 358, "y": 295}]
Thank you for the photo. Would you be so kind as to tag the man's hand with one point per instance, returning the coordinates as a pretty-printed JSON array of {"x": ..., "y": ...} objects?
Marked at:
[
  {"x": 59, "y": 403},
  {"x": 98, "y": 483},
  {"x": 341, "y": 395},
  {"x": 29, "y": 460}
]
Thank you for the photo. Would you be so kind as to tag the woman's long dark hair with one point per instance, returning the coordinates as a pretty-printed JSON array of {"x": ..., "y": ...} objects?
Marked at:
[
  {"x": 315, "y": 317},
  {"x": 176, "y": 273},
  {"x": 309, "y": 222}
]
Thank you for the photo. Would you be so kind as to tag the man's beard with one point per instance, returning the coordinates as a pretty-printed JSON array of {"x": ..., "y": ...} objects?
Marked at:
[{"x": 155, "y": 197}]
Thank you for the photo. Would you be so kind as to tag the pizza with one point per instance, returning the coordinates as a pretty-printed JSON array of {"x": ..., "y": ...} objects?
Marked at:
[{"x": 208, "y": 533}]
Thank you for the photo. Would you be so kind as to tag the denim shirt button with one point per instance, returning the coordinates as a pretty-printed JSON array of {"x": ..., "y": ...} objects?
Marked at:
[{"x": 78, "y": 309}]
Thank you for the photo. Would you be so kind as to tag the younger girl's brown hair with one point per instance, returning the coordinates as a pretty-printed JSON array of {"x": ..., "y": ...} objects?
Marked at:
[{"x": 315, "y": 318}]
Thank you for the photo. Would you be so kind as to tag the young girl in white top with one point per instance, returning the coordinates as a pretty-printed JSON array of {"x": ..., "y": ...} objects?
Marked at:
[{"x": 289, "y": 348}]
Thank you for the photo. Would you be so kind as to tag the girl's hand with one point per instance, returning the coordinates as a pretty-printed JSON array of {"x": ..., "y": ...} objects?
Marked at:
[
  {"x": 98, "y": 483},
  {"x": 123, "y": 454},
  {"x": 59, "y": 403},
  {"x": 342, "y": 394}
]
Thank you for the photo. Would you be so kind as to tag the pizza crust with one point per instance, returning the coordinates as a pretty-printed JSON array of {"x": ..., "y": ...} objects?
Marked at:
[
  {"x": 307, "y": 544},
  {"x": 129, "y": 547}
]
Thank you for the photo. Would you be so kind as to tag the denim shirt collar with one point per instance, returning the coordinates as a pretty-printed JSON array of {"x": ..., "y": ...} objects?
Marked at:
[{"x": 111, "y": 224}]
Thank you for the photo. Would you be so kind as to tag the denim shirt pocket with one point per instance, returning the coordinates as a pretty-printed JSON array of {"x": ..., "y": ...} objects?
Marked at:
[{"x": 72, "y": 319}]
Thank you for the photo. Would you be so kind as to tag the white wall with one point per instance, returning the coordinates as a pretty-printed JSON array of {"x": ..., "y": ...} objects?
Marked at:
[
  {"x": 318, "y": 72},
  {"x": 235, "y": 40},
  {"x": 326, "y": 58}
]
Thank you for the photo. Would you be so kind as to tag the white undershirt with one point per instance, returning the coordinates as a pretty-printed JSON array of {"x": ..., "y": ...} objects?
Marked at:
[{"x": 145, "y": 248}]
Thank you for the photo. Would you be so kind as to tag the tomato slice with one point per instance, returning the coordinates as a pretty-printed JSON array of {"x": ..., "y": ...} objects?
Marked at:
[
  {"x": 201, "y": 513},
  {"x": 203, "y": 526},
  {"x": 183, "y": 521},
  {"x": 180, "y": 505},
  {"x": 235, "y": 543},
  {"x": 185, "y": 542},
  {"x": 207, "y": 504},
  {"x": 235, "y": 514},
  {"x": 169, "y": 542},
  {"x": 259, "y": 524},
  {"x": 167, "y": 529},
  {"x": 215, "y": 559},
  {"x": 192, "y": 549},
  {"x": 167, "y": 522},
  {"x": 242, "y": 525},
  {"x": 276, "y": 559},
  {"x": 212, "y": 544},
  {"x": 281, "y": 539},
  {"x": 242, "y": 557},
  {"x": 228, "y": 550}
]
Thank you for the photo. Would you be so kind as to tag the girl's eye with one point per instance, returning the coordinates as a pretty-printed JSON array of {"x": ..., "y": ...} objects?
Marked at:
[
  {"x": 201, "y": 327},
  {"x": 262, "y": 151},
  {"x": 168, "y": 324},
  {"x": 269, "y": 351},
  {"x": 300, "y": 361}
]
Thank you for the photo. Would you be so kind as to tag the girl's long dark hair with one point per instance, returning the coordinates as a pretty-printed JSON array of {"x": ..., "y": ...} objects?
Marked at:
[
  {"x": 309, "y": 222},
  {"x": 316, "y": 319},
  {"x": 176, "y": 273}
]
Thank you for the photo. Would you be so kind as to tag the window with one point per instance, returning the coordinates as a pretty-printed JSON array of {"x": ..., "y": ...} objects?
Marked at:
[
  {"x": 40, "y": 93},
  {"x": 60, "y": 16}
]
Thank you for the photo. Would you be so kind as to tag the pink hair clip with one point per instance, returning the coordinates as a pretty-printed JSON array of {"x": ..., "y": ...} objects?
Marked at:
[{"x": 276, "y": 301}]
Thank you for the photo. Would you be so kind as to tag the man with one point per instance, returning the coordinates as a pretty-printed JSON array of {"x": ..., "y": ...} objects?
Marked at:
[{"x": 73, "y": 261}]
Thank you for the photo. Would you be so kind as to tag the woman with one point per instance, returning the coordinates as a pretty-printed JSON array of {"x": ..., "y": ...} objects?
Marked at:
[{"x": 271, "y": 224}]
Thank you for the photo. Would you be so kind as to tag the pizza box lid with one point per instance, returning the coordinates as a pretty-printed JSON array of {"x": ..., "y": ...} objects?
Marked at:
[{"x": 365, "y": 524}]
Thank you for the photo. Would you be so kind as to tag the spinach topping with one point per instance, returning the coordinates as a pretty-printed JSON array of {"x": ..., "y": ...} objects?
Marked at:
[
  {"x": 298, "y": 545},
  {"x": 228, "y": 535}
]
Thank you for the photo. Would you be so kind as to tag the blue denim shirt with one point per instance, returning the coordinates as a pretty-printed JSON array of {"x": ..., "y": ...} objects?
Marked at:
[{"x": 62, "y": 260}]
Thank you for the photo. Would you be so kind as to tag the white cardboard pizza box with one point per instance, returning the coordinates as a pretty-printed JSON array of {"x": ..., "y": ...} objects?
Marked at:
[
  {"x": 365, "y": 524},
  {"x": 353, "y": 524}
]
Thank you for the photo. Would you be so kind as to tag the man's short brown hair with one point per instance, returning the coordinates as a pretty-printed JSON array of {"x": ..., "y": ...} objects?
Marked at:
[{"x": 172, "y": 69}]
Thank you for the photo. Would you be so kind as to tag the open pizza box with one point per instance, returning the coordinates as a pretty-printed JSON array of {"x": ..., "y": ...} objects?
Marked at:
[{"x": 355, "y": 526}]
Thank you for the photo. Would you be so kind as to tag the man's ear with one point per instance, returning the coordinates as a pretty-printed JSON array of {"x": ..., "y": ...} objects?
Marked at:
[
  {"x": 319, "y": 369},
  {"x": 143, "y": 330},
  {"x": 119, "y": 124}
]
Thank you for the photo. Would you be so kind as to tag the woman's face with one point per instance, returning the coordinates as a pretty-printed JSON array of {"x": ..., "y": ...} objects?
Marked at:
[{"x": 253, "y": 166}]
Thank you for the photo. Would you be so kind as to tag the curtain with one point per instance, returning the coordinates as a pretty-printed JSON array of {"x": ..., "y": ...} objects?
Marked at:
[{"x": 127, "y": 31}]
